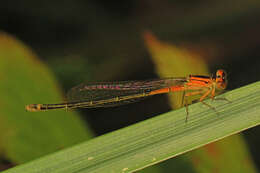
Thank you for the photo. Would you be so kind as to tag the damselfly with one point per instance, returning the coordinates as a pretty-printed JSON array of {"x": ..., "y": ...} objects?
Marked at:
[{"x": 109, "y": 94}]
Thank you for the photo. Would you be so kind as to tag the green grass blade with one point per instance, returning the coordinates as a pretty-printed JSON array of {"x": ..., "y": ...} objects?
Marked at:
[{"x": 156, "y": 139}]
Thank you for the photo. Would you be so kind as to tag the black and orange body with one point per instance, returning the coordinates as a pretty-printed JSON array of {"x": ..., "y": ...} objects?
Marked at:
[{"x": 109, "y": 94}]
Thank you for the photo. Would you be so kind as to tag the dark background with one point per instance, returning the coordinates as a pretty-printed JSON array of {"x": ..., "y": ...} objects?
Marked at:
[{"x": 97, "y": 40}]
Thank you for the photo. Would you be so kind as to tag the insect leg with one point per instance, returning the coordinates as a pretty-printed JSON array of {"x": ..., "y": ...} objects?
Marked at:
[{"x": 186, "y": 101}]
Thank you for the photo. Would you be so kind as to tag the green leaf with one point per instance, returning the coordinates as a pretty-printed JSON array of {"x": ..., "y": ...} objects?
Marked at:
[
  {"x": 25, "y": 136},
  {"x": 158, "y": 139}
]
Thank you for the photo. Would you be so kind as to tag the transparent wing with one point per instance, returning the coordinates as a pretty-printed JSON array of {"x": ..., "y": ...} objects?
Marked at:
[{"x": 106, "y": 94}]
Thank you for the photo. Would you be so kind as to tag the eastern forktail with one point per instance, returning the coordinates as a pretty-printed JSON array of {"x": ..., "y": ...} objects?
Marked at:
[{"x": 108, "y": 94}]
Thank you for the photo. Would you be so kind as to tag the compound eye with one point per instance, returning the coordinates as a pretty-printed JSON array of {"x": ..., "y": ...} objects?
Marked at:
[{"x": 221, "y": 74}]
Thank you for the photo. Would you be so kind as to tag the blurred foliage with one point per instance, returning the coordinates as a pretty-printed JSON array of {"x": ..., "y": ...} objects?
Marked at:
[
  {"x": 174, "y": 61},
  {"x": 24, "y": 80},
  {"x": 103, "y": 41}
]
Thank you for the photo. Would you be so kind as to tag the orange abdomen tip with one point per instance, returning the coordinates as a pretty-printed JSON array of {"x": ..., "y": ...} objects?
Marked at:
[{"x": 33, "y": 107}]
